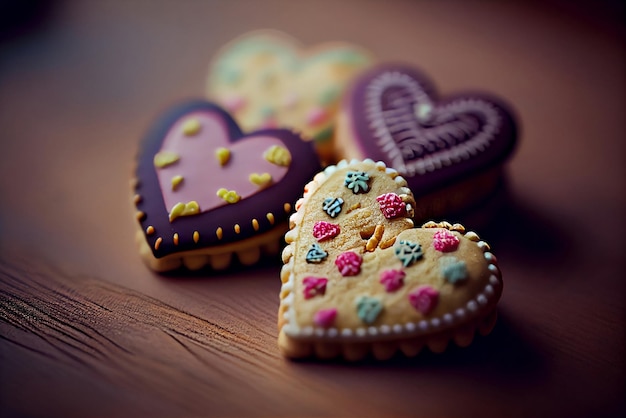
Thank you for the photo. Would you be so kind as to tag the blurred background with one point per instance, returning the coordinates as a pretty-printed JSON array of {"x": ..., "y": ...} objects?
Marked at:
[{"x": 81, "y": 82}]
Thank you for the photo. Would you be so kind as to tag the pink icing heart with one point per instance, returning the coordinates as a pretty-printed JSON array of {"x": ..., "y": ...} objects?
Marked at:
[
  {"x": 392, "y": 279},
  {"x": 203, "y": 175},
  {"x": 424, "y": 299},
  {"x": 314, "y": 286},
  {"x": 325, "y": 230}
]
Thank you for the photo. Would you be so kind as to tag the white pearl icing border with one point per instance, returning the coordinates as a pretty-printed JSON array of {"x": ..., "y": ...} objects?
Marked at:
[
  {"x": 291, "y": 328},
  {"x": 437, "y": 160}
]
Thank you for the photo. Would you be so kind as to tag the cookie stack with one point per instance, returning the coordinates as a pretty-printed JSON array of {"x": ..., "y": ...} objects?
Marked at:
[{"x": 347, "y": 155}]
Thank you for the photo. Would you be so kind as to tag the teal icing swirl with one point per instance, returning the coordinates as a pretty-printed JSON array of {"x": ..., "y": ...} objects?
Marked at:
[
  {"x": 316, "y": 254},
  {"x": 408, "y": 252},
  {"x": 368, "y": 309}
]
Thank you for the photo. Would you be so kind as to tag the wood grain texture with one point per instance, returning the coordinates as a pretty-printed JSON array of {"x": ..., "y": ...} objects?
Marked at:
[{"x": 87, "y": 330}]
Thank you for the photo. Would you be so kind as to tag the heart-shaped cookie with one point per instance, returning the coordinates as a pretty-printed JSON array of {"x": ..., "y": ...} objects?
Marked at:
[
  {"x": 450, "y": 150},
  {"x": 268, "y": 79},
  {"x": 359, "y": 278},
  {"x": 204, "y": 190}
]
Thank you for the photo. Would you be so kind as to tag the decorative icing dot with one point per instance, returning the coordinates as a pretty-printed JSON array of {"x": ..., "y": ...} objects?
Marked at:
[
  {"x": 267, "y": 112},
  {"x": 423, "y": 111},
  {"x": 229, "y": 196},
  {"x": 175, "y": 238},
  {"x": 445, "y": 241},
  {"x": 222, "y": 155},
  {"x": 157, "y": 243},
  {"x": 290, "y": 100},
  {"x": 349, "y": 263},
  {"x": 368, "y": 309},
  {"x": 316, "y": 116},
  {"x": 196, "y": 236},
  {"x": 165, "y": 158},
  {"x": 191, "y": 127},
  {"x": 325, "y": 318},
  {"x": 392, "y": 279},
  {"x": 325, "y": 230},
  {"x": 219, "y": 232},
  {"x": 150, "y": 230},
  {"x": 287, "y": 207},
  {"x": 176, "y": 181},
  {"x": 234, "y": 103},
  {"x": 332, "y": 206},
  {"x": 391, "y": 205},
  {"x": 357, "y": 181},
  {"x": 260, "y": 180},
  {"x": 237, "y": 228},
  {"x": 315, "y": 254},
  {"x": 268, "y": 123},
  {"x": 137, "y": 199},
  {"x": 140, "y": 216},
  {"x": 278, "y": 155},
  {"x": 453, "y": 269},
  {"x": 270, "y": 217},
  {"x": 314, "y": 286},
  {"x": 424, "y": 299},
  {"x": 184, "y": 209},
  {"x": 255, "y": 224},
  {"x": 329, "y": 95},
  {"x": 408, "y": 252}
]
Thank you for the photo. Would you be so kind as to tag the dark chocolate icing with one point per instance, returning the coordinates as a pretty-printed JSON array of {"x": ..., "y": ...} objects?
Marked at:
[
  {"x": 304, "y": 165},
  {"x": 396, "y": 116}
]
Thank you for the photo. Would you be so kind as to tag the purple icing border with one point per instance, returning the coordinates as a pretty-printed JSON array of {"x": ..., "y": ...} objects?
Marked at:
[
  {"x": 500, "y": 148},
  {"x": 303, "y": 167}
]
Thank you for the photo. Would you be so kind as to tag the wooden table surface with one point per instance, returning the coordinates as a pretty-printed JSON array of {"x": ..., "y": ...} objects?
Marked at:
[{"x": 87, "y": 330}]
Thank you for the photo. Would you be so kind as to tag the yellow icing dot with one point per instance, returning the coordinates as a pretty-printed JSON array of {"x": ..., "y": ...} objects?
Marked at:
[
  {"x": 287, "y": 207},
  {"x": 176, "y": 180},
  {"x": 270, "y": 217},
  {"x": 278, "y": 155},
  {"x": 150, "y": 230},
  {"x": 157, "y": 243},
  {"x": 229, "y": 196},
  {"x": 219, "y": 232},
  {"x": 237, "y": 229},
  {"x": 223, "y": 155},
  {"x": 255, "y": 224},
  {"x": 165, "y": 158},
  {"x": 196, "y": 236},
  {"x": 184, "y": 209},
  {"x": 260, "y": 180},
  {"x": 191, "y": 127}
]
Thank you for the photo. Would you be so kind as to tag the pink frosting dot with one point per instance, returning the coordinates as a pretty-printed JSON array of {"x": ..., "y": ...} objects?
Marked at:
[
  {"x": 325, "y": 317},
  {"x": 445, "y": 241},
  {"x": 234, "y": 103},
  {"x": 424, "y": 299},
  {"x": 349, "y": 263},
  {"x": 316, "y": 116},
  {"x": 392, "y": 279},
  {"x": 325, "y": 230},
  {"x": 391, "y": 205},
  {"x": 314, "y": 286}
]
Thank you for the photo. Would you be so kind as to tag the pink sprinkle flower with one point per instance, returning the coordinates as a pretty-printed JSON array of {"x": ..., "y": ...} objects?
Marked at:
[
  {"x": 314, "y": 286},
  {"x": 391, "y": 205},
  {"x": 392, "y": 279},
  {"x": 445, "y": 241},
  {"x": 325, "y": 230},
  {"x": 325, "y": 317},
  {"x": 424, "y": 299},
  {"x": 316, "y": 116},
  {"x": 349, "y": 263}
]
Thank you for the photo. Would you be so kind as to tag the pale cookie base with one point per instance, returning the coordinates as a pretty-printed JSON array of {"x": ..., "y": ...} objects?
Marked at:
[
  {"x": 384, "y": 350},
  {"x": 248, "y": 251}
]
